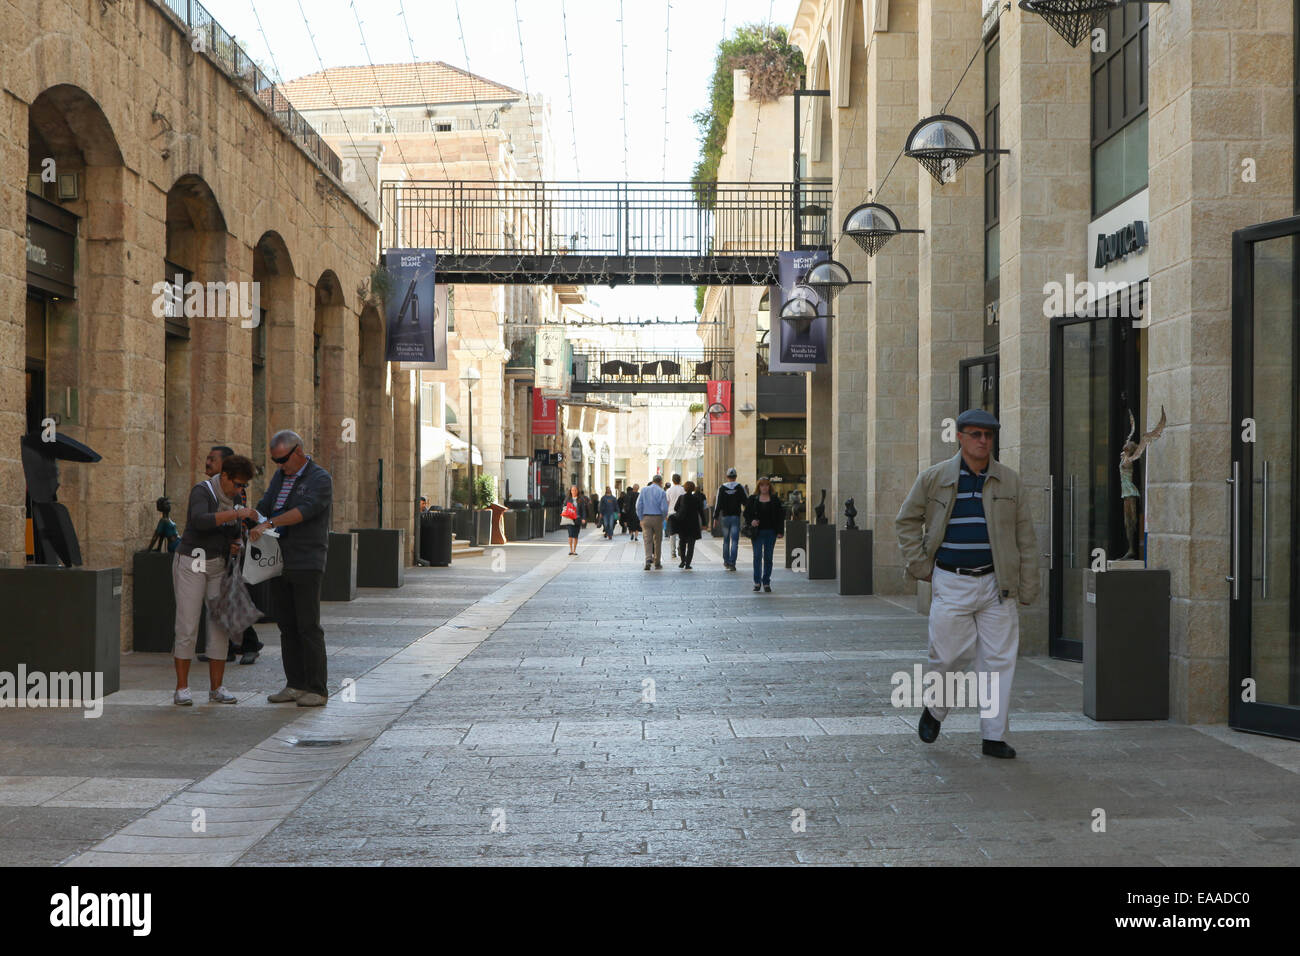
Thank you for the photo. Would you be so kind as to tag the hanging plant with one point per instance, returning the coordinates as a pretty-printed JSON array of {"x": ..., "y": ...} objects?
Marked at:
[{"x": 374, "y": 290}]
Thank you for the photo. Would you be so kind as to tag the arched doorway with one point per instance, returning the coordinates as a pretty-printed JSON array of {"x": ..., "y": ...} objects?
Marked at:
[
  {"x": 334, "y": 427},
  {"x": 198, "y": 321},
  {"x": 273, "y": 273}
]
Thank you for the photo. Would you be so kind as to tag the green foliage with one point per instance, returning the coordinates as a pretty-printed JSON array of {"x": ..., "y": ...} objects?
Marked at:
[
  {"x": 700, "y": 292},
  {"x": 775, "y": 67},
  {"x": 696, "y": 408},
  {"x": 375, "y": 290},
  {"x": 460, "y": 490},
  {"x": 485, "y": 490}
]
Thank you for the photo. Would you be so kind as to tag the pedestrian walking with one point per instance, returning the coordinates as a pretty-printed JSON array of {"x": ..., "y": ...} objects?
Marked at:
[
  {"x": 211, "y": 528},
  {"x": 298, "y": 501},
  {"x": 630, "y": 512},
  {"x": 651, "y": 509},
  {"x": 622, "y": 511},
  {"x": 764, "y": 517},
  {"x": 674, "y": 492},
  {"x": 608, "y": 512},
  {"x": 966, "y": 528},
  {"x": 575, "y": 517},
  {"x": 728, "y": 504},
  {"x": 688, "y": 520}
]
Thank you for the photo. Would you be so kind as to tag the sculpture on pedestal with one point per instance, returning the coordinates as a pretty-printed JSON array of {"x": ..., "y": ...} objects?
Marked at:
[
  {"x": 850, "y": 512},
  {"x": 165, "y": 532},
  {"x": 821, "y": 509},
  {"x": 1128, "y": 490}
]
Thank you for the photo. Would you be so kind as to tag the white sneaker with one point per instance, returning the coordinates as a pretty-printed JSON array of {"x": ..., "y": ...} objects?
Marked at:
[
  {"x": 219, "y": 695},
  {"x": 183, "y": 698}
]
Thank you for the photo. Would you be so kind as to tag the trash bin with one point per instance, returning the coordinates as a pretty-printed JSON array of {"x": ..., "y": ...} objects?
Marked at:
[{"x": 435, "y": 537}]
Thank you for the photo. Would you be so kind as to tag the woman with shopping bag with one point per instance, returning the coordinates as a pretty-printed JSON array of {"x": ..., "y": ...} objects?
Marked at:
[
  {"x": 573, "y": 516},
  {"x": 212, "y": 525}
]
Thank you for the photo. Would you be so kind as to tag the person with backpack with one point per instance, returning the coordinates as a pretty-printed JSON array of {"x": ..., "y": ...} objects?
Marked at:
[{"x": 728, "y": 504}]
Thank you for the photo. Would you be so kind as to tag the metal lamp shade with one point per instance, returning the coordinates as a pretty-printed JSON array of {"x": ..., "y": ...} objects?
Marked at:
[
  {"x": 799, "y": 311},
  {"x": 1074, "y": 20},
  {"x": 942, "y": 144},
  {"x": 829, "y": 278},
  {"x": 871, "y": 225}
]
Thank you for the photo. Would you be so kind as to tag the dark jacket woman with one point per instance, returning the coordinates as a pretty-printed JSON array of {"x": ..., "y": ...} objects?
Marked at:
[
  {"x": 765, "y": 521},
  {"x": 629, "y": 513},
  {"x": 688, "y": 516},
  {"x": 770, "y": 514}
]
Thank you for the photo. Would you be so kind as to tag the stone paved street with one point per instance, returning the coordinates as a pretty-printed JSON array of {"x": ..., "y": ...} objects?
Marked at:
[{"x": 504, "y": 717}]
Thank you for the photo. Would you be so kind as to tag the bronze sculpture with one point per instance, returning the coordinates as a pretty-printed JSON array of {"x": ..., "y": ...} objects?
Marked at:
[{"x": 1128, "y": 490}]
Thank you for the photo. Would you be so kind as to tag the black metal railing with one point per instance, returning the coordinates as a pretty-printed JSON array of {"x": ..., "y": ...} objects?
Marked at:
[
  {"x": 593, "y": 219},
  {"x": 240, "y": 67},
  {"x": 642, "y": 366}
]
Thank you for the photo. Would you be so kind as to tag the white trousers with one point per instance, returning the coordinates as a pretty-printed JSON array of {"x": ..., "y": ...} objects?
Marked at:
[
  {"x": 191, "y": 588},
  {"x": 967, "y": 614}
]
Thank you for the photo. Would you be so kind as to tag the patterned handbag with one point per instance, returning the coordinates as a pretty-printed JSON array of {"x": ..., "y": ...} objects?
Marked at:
[{"x": 233, "y": 608}]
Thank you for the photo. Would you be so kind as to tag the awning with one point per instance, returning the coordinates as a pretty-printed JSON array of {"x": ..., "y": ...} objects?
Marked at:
[
  {"x": 456, "y": 451},
  {"x": 438, "y": 442}
]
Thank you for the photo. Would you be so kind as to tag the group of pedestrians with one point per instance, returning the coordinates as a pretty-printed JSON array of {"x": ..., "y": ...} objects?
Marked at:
[{"x": 297, "y": 504}]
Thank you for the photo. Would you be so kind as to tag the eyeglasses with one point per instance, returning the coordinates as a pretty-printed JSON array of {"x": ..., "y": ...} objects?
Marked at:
[
  {"x": 240, "y": 484},
  {"x": 283, "y": 458},
  {"x": 979, "y": 434}
]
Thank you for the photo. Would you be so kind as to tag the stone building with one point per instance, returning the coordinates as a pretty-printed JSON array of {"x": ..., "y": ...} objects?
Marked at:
[
  {"x": 151, "y": 152},
  {"x": 1086, "y": 273}
]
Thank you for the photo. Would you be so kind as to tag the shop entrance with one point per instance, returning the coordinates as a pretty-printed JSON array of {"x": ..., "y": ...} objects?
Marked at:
[
  {"x": 1094, "y": 374},
  {"x": 1264, "y": 638}
]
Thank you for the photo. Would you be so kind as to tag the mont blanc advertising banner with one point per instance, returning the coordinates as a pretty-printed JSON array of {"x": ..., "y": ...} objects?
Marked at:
[
  {"x": 546, "y": 413},
  {"x": 797, "y": 344},
  {"x": 719, "y": 408},
  {"x": 410, "y": 306},
  {"x": 440, "y": 306}
]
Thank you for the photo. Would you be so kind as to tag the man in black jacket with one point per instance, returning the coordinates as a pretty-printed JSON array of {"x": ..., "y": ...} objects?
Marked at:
[{"x": 297, "y": 504}]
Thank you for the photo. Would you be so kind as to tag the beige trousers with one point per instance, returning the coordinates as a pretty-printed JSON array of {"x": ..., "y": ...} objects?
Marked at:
[
  {"x": 191, "y": 587},
  {"x": 652, "y": 532}
]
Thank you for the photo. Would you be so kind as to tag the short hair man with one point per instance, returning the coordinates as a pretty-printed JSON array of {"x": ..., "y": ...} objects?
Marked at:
[
  {"x": 651, "y": 508},
  {"x": 729, "y": 505},
  {"x": 673, "y": 491},
  {"x": 967, "y": 528},
  {"x": 216, "y": 455},
  {"x": 298, "y": 501}
]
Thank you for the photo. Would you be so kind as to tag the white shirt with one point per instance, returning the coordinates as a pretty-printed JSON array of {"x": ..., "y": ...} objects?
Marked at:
[{"x": 673, "y": 493}]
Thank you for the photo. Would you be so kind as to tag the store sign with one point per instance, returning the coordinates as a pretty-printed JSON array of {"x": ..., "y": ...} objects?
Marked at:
[
  {"x": 719, "y": 408},
  {"x": 784, "y": 446},
  {"x": 546, "y": 413},
  {"x": 798, "y": 345},
  {"x": 51, "y": 240},
  {"x": 409, "y": 306},
  {"x": 441, "y": 306},
  {"x": 1120, "y": 244}
]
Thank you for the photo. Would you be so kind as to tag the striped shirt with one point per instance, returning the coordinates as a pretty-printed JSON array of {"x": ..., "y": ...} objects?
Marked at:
[
  {"x": 289, "y": 482},
  {"x": 966, "y": 540}
]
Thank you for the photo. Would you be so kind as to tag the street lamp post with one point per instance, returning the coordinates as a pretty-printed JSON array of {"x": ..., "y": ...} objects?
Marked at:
[{"x": 471, "y": 377}]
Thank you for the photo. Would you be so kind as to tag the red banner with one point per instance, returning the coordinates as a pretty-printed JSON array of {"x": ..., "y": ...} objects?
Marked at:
[
  {"x": 546, "y": 412},
  {"x": 719, "y": 408}
]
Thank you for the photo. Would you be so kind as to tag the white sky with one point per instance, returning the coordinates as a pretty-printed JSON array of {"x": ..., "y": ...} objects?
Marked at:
[{"x": 676, "y": 39}]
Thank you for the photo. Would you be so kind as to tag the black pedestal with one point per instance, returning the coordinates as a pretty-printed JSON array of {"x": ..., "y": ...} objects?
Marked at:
[
  {"x": 62, "y": 620},
  {"x": 340, "y": 581},
  {"x": 379, "y": 557},
  {"x": 796, "y": 536},
  {"x": 1126, "y": 645},
  {"x": 153, "y": 603},
  {"x": 821, "y": 552},
  {"x": 855, "y": 561}
]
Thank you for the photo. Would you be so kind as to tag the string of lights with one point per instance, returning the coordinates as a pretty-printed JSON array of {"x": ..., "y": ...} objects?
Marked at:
[
  {"x": 668, "y": 52},
  {"x": 568, "y": 75},
  {"x": 528, "y": 98},
  {"x": 622, "y": 56},
  {"x": 424, "y": 95},
  {"x": 379, "y": 91},
  {"x": 473, "y": 91}
]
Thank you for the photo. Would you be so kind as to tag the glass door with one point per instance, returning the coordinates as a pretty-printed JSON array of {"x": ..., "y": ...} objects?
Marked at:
[
  {"x": 1093, "y": 360},
  {"x": 1264, "y": 653}
]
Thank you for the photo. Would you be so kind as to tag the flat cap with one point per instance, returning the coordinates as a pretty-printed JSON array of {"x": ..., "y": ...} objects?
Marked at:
[{"x": 978, "y": 418}]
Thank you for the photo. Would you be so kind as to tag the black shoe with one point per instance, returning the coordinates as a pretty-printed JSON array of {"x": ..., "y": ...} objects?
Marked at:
[
  {"x": 231, "y": 654},
  {"x": 928, "y": 729},
  {"x": 999, "y": 748},
  {"x": 681, "y": 564},
  {"x": 757, "y": 586},
  {"x": 767, "y": 588},
  {"x": 248, "y": 657},
  {"x": 647, "y": 565}
]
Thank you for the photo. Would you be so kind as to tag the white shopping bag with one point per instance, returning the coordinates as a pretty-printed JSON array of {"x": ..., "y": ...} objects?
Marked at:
[{"x": 262, "y": 559}]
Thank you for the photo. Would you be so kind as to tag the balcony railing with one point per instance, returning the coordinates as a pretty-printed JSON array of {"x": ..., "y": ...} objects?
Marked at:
[
  {"x": 222, "y": 48},
  {"x": 593, "y": 219},
  {"x": 632, "y": 367}
]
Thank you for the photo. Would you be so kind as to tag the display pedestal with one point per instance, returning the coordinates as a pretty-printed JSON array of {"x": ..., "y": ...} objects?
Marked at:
[
  {"x": 62, "y": 620},
  {"x": 796, "y": 537},
  {"x": 340, "y": 581},
  {"x": 153, "y": 604},
  {"x": 855, "y": 561},
  {"x": 821, "y": 552},
  {"x": 379, "y": 557},
  {"x": 1126, "y": 644}
]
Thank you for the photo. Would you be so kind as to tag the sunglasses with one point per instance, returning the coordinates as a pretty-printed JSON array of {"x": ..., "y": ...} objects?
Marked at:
[
  {"x": 980, "y": 434},
  {"x": 240, "y": 484},
  {"x": 283, "y": 458}
]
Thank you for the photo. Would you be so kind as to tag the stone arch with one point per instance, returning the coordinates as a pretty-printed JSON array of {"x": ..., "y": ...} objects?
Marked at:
[
  {"x": 844, "y": 24},
  {"x": 203, "y": 400},
  {"x": 99, "y": 388},
  {"x": 272, "y": 346},
  {"x": 374, "y": 418},
  {"x": 334, "y": 338}
]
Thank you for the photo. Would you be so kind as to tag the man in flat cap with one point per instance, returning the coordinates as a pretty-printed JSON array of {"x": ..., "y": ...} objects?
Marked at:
[{"x": 966, "y": 528}]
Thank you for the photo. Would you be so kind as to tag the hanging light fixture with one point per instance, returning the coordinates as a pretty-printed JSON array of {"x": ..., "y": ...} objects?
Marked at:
[
  {"x": 871, "y": 225},
  {"x": 1075, "y": 20},
  {"x": 829, "y": 279},
  {"x": 943, "y": 144},
  {"x": 800, "y": 309}
]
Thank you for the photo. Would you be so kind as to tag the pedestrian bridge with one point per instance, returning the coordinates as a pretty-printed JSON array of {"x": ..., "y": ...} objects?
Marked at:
[
  {"x": 636, "y": 370},
  {"x": 569, "y": 233}
]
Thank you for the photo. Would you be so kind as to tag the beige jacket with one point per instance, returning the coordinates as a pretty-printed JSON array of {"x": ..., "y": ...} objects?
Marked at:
[{"x": 923, "y": 521}]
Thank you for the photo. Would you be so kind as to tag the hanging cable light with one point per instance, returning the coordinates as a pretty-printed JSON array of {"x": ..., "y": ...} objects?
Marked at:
[
  {"x": 800, "y": 309},
  {"x": 943, "y": 144},
  {"x": 1075, "y": 20},
  {"x": 829, "y": 278},
  {"x": 871, "y": 225}
]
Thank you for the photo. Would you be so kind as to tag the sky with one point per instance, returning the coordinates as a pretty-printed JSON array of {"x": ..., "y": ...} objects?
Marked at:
[{"x": 618, "y": 51}]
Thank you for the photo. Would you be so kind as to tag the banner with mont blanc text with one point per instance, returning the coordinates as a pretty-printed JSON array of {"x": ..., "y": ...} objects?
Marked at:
[{"x": 412, "y": 310}]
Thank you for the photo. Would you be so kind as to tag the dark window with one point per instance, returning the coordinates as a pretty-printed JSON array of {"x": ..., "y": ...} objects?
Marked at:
[
  {"x": 1119, "y": 108},
  {"x": 259, "y": 340},
  {"x": 315, "y": 359},
  {"x": 177, "y": 325}
]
